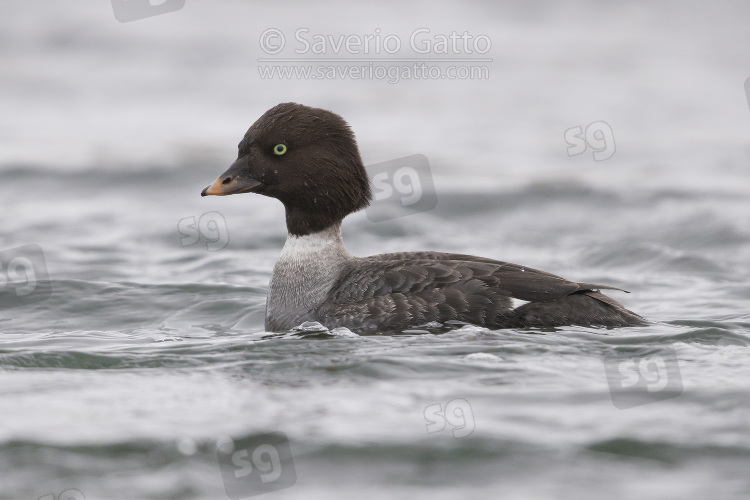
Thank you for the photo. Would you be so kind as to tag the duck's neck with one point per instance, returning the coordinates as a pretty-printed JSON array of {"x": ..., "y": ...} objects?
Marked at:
[
  {"x": 310, "y": 248},
  {"x": 307, "y": 268},
  {"x": 302, "y": 220}
]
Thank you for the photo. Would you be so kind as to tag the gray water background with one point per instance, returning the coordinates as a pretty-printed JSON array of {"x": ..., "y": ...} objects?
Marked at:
[{"x": 148, "y": 353}]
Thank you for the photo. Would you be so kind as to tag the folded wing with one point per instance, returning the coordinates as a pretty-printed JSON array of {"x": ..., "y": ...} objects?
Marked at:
[{"x": 397, "y": 290}]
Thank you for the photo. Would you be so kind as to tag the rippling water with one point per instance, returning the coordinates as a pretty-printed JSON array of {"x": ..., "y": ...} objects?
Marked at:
[{"x": 147, "y": 369}]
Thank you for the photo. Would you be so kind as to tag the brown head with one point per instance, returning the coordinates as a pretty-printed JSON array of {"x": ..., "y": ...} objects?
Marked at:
[{"x": 308, "y": 159}]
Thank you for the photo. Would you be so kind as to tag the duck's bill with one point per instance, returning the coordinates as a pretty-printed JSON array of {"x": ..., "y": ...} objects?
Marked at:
[{"x": 231, "y": 182}]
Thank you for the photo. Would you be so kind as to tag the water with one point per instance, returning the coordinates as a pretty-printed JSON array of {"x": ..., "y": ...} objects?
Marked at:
[{"x": 149, "y": 354}]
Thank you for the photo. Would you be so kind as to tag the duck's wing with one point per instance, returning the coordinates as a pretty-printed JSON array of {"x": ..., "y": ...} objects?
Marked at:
[{"x": 401, "y": 289}]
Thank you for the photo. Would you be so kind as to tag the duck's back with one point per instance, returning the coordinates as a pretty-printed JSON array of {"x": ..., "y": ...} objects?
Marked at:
[{"x": 398, "y": 290}]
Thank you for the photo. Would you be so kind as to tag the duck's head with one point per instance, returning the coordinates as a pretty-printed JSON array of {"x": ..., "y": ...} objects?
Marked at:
[{"x": 308, "y": 159}]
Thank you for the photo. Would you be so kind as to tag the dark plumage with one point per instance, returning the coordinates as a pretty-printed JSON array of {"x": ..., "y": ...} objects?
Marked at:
[
  {"x": 320, "y": 178},
  {"x": 407, "y": 289}
]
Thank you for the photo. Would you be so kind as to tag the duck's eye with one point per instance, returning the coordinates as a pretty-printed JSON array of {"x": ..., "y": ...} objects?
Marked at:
[{"x": 279, "y": 149}]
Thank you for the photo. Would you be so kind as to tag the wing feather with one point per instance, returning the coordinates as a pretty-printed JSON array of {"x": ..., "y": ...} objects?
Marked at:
[
  {"x": 401, "y": 289},
  {"x": 397, "y": 290}
]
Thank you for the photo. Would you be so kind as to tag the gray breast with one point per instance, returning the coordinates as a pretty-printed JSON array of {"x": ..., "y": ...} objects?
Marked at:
[{"x": 303, "y": 276}]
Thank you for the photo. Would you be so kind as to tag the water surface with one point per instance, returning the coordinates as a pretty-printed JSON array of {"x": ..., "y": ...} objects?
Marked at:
[{"x": 150, "y": 352}]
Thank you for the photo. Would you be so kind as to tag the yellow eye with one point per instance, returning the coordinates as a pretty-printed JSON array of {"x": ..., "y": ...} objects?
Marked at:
[{"x": 279, "y": 149}]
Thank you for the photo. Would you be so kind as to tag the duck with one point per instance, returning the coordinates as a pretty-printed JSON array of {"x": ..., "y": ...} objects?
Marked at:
[{"x": 309, "y": 160}]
